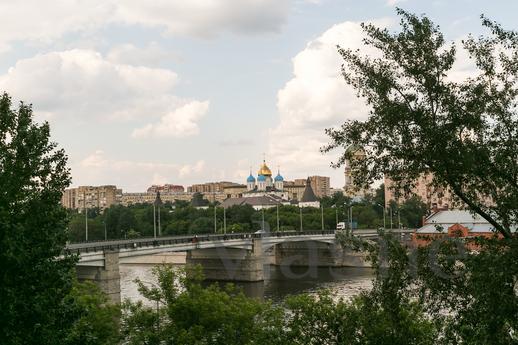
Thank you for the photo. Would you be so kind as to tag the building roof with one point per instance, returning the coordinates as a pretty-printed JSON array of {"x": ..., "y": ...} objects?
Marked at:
[
  {"x": 309, "y": 195},
  {"x": 446, "y": 218},
  {"x": 264, "y": 170},
  {"x": 239, "y": 186},
  {"x": 266, "y": 200},
  {"x": 261, "y": 178},
  {"x": 279, "y": 177}
]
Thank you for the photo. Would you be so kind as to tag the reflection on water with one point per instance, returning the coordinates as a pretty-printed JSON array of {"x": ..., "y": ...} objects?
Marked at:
[{"x": 279, "y": 281}]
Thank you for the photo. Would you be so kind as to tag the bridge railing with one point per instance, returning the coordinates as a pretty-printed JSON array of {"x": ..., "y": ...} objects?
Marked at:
[{"x": 96, "y": 246}]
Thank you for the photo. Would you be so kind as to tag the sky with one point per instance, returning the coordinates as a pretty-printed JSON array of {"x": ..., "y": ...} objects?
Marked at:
[{"x": 183, "y": 92}]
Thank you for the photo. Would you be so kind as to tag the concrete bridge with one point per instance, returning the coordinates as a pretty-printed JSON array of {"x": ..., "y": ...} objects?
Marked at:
[{"x": 229, "y": 257}]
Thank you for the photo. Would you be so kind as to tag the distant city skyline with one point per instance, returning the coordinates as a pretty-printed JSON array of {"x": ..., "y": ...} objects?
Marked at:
[{"x": 189, "y": 92}]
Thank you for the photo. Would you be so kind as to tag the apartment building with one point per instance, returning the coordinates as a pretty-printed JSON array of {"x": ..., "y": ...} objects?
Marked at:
[
  {"x": 320, "y": 185},
  {"x": 434, "y": 198},
  {"x": 210, "y": 187},
  {"x": 83, "y": 197}
]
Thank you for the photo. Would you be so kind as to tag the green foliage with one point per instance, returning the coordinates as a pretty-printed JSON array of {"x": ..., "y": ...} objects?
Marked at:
[
  {"x": 183, "y": 219},
  {"x": 97, "y": 321},
  {"x": 187, "y": 313},
  {"x": 463, "y": 133},
  {"x": 479, "y": 289},
  {"x": 36, "y": 274}
]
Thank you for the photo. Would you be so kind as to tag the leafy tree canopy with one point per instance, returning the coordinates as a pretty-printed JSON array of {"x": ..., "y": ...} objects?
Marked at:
[
  {"x": 423, "y": 121},
  {"x": 35, "y": 273}
]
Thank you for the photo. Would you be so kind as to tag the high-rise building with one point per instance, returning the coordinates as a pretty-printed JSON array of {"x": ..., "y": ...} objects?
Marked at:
[
  {"x": 351, "y": 188},
  {"x": 83, "y": 197},
  {"x": 434, "y": 198},
  {"x": 320, "y": 185}
]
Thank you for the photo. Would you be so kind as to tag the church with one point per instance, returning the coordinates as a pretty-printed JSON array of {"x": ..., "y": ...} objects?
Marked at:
[
  {"x": 264, "y": 182},
  {"x": 267, "y": 191}
]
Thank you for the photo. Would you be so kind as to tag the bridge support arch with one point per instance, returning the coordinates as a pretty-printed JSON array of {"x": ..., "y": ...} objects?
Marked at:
[
  {"x": 230, "y": 264},
  {"x": 107, "y": 277},
  {"x": 317, "y": 254}
]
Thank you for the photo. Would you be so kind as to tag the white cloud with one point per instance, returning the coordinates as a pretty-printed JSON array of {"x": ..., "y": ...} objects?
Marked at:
[
  {"x": 394, "y": 2},
  {"x": 35, "y": 20},
  {"x": 151, "y": 55},
  {"x": 181, "y": 122},
  {"x": 81, "y": 83},
  {"x": 136, "y": 176},
  {"x": 316, "y": 98}
]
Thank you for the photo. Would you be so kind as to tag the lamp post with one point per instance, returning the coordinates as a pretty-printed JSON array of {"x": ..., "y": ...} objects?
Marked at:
[
  {"x": 391, "y": 217},
  {"x": 154, "y": 220},
  {"x": 262, "y": 218},
  {"x": 336, "y": 215},
  {"x": 215, "y": 220},
  {"x": 156, "y": 204},
  {"x": 86, "y": 217},
  {"x": 224, "y": 221},
  {"x": 351, "y": 212},
  {"x": 159, "y": 227},
  {"x": 384, "y": 212},
  {"x": 300, "y": 214},
  {"x": 278, "y": 223},
  {"x": 322, "y": 213},
  {"x": 398, "y": 218}
]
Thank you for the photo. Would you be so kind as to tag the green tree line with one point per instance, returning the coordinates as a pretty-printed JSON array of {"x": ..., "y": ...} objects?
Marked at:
[{"x": 181, "y": 218}]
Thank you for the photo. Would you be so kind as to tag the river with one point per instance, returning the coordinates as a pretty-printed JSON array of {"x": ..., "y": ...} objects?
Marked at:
[{"x": 279, "y": 281}]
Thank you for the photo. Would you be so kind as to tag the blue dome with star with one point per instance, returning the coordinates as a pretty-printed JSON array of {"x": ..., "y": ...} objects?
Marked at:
[
  {"x": 261, "y": 178},
  {"x": 279, "y": 178},
  {"x": 250, "y": 178}
]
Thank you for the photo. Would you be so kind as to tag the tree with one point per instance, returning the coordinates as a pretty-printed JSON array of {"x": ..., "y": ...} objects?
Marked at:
[
  {"x": 188, "y": 313},
  {"x": 96, "y": 319},
  {"x": 463, "y": 133},
  {"x": 35, "y": 272}
]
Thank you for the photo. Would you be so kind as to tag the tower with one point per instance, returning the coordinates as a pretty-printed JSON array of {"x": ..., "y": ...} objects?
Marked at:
[
  {"x": 264, "y": 178},
  {"x": 355, "y": 153},
  {"x": 250, "y": 182},
  {"x": 279, "y": 181}
]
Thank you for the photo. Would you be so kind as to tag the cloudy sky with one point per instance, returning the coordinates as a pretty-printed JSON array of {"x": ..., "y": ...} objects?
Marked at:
[{"x": 174, "y": 91}]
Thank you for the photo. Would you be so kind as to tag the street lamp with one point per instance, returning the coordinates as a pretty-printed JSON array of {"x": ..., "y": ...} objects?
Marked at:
[
  {"x": 336, "y": 215},
  {"x": 322, "y": 213},
  {"x": 262, "y": 217},
  {"x": 300, "y": 214},
  {"x": 224, "y": 220},
  {"x": 391, "y": 227},
  {"x": 86, "y": 216},
  {"x": 384, "y": 211},
  {"x": 351, "y": 212},
  {"x": 215, "y": 220},
  {"x": 278, "y": 218}
]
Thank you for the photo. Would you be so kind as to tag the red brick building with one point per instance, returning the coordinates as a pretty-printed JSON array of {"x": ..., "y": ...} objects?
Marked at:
[{"x": 453, "y": 224}]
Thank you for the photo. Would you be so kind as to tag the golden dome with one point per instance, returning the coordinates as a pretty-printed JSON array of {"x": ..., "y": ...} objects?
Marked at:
[{"x": 264, "y": 170}]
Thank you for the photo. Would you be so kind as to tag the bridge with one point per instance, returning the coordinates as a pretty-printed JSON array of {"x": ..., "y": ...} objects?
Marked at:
[{"x": 228, "y": 257}]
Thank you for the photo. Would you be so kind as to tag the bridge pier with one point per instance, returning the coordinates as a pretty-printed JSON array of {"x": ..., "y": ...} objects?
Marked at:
[
  {"x": 317, "y": 254},
  {"x": 106, "y": 277},
  {"x": 230, "y": 264}
]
